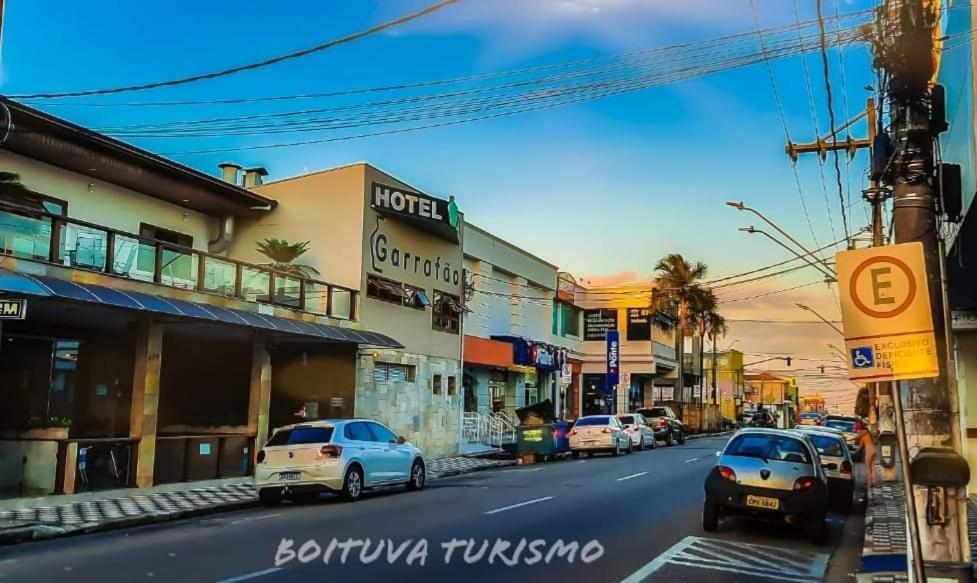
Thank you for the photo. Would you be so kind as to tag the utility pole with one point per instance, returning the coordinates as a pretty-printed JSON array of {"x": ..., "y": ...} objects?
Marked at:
[{"x": 926, "y": 409}]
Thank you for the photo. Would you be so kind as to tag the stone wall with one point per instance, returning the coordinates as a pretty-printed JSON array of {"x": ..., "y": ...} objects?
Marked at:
[{"x": 430, "y": 421}]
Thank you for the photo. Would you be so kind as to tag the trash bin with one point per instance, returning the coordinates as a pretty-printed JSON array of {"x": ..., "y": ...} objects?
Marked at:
[
  {"x": 561, "y": 435},
  {"x": 536, "y": 439}
]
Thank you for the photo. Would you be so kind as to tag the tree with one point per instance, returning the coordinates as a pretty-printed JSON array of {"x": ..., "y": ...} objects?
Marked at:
[
  {"x": 283, "y": 255},
  {"x": 702, "y": 304},
  {"x": 861, "y": 402},
  {"x": 10, "y": 184},
  {"x": 679, "y": 280}
]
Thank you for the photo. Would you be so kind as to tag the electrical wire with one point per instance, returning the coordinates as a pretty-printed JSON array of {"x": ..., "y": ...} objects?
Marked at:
[
  {"x": 831, "y": 113},
  {"x": 779, "y": 291},
  {"x": 252, "y": 66}
]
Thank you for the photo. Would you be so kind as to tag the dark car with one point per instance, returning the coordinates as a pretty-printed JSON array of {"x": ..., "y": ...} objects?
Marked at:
[
  {"x": 668, "y": 427},
  {"x": 769, "y": 474},
  {"x": 763, "y": 419}
]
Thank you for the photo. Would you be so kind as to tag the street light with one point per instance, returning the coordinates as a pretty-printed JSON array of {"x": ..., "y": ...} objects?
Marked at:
[
  {"x": 820, "y": 317},
  {"x": 741, "y": 206},
  {"x": 828, "y": 273}
]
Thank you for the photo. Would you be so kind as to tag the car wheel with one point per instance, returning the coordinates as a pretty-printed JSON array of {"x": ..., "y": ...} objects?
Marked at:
[
  {"x": 710, "y": 516},
  {"x": 630, "y": 449},
  {"x": 819, "y": 531},
  {"x": 668, "y": 439},
  {"x": 681, "y": 438},
  {"x": 616, "y": 450},
  {"x": 641, "y": 443},
  {"x": 418, "y": 476},
  {"x": 654, "y": 442},
  {"x": 353, "y": 484},
  {"x": 270, "y": 496},
  {"x": 575, "y": 454}
]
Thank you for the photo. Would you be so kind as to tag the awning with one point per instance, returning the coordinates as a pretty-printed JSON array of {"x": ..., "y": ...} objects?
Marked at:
[
  {"x": 487, "y": 352},
  {"x": 34, "y": 285}
]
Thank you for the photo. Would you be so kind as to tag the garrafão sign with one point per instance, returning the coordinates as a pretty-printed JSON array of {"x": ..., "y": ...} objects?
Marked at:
[
  {"x": 390, "y": 199},
  {"x": 386, "y": 254}
]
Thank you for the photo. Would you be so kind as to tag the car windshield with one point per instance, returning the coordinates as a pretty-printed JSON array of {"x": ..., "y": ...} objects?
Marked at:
[
  {"x": 627, "y": 419},
  {"x": 841, "y": 424},
  {"x": 301, "y": 435},
  {"x": 827, "y": 445},
  {"x": 593, "y": 421},
  {"x": 656, "y": 412},
  {"x": 769, "y": 447}
]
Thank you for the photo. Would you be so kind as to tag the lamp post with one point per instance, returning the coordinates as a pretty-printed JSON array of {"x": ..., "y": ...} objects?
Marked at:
[
  {"x": 820, "y": 317},
  {"x": 741, "y": 206},
  {"x": 829, "y": 274}
]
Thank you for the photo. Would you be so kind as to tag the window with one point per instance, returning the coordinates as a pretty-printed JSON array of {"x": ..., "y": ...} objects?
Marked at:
[
  {"x": 639, "y": 323},
  {"x": 175, "y": 265},
  {"x": 452, "y": 385},
  {"x": 381, "y": 433},
  {"x": 447, "y": 312},
  {"x": 21, "y": 233},
  {"x": 301, "y": 435},
  {"x": 627, "y": 419},
  {"x": 848, "y": 426},
  {"x": 385, "y": 290},
  {"x": 769, "y": 447},
  {"x": 415, "y": 297},
  {"x": 593, "y": 421},
  {"x": 393, "y": 372},
  {"x": 436, "y": 384},
  {"x": 358, "y": 431}
]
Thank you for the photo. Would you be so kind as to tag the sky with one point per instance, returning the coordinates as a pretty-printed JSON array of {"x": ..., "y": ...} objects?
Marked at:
[{"x": 602, "y": 188}]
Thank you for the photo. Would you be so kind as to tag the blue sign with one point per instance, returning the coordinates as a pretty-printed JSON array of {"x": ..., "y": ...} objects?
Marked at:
[
  {"x": 862, "y": 357},
  {"x": 613, "y": 359}
]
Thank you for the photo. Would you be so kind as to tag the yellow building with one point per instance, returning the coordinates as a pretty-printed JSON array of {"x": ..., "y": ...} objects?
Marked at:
[{"x": 724, "y": 384}]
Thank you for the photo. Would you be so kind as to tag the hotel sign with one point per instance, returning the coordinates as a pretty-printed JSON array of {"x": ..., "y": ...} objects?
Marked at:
[
  {"x": 414, "y": 205},
  {"x": 13, "y": 309}
]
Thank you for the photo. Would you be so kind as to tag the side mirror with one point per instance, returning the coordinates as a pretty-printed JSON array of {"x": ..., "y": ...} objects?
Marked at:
[{"x": 401, "y": 440}]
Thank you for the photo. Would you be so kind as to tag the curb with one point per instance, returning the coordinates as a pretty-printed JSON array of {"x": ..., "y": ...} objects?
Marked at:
[
  {"x": 459, "y": 472},
  {"x": 705, "y": 435}
]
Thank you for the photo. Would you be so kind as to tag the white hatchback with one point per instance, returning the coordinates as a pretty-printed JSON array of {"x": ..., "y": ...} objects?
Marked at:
[
  {"x": 344, "y": 456},
  {"x": 642, "y": 435},
  {"x": 599, "y": 433}
]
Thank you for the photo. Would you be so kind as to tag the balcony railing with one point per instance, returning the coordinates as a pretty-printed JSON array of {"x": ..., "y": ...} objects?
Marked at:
[{"x": 41, "y": 236}]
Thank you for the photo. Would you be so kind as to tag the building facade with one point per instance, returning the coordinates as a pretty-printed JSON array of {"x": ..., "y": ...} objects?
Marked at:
[
  {"x": 724, "y": 381},
  {"x": 401, "y": 249},
  {"x": 145, "y": 349}
]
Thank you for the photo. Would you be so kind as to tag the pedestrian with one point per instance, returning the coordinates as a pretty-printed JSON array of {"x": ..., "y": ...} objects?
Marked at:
[{"x": 866, "y": 440}]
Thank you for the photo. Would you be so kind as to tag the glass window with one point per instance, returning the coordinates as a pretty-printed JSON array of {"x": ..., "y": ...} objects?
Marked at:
[
  {"x": 340, "y": 303},
  {"x": 381, "y": 433},
  {"x": 627, "y": 419},
  {"x": 436, "y": 384},
  {"x": 769, "y": 447},
  {"x": 571, "y": 320},
  {"x": 176, "y": 264},
  {"x": 255, "y": 284},
  {"x": 358, "y": 431},
  {"x": 827, "y": 445},
  {"x": 593, "y": 421},
  {"x": 385, "y": 290},
  {"x": 415, "y": 297},
  {"x": 848, "y": 426},
  {"x": 447, "y": 312},
  {"x": 301, "y": 436},
  {"x": 452, "y": 385},
  {"x": 393, "y": 372}
]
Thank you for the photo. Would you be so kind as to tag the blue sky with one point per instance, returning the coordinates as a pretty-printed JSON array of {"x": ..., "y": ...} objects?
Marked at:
[{"x": 598, "y": 188}]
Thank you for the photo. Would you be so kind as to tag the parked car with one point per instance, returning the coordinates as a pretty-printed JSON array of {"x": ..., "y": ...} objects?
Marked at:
[
  {"x": 811, "y": 418},
  {"x": 763, "y": 418},
  {"x": 850, "y": 425},
  {"x": 837, "y": 463},
  {"x": 768, "y": 474},
  {"x": 344, "y": 456},
  {"x": 642, "y": 435},
  {"x": 668, "y": 427},
  {"x": 599, "y": 433}
]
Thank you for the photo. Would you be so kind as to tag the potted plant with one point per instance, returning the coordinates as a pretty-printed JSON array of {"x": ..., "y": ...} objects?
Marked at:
[{"x": 50, "y": 428}]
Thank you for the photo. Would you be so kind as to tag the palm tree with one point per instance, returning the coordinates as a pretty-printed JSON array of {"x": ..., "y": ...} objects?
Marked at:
[
  {"x": 10, "y": 184},
  {"x": 283, "y": 254},
  {"x": 679, "y": 279},
  {"x": 715, "y": 327},
  {"x": 702, "y": 304}
]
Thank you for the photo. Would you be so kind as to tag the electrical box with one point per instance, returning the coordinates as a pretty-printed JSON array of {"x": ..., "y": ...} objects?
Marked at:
[{"x": 951, "y": 191}]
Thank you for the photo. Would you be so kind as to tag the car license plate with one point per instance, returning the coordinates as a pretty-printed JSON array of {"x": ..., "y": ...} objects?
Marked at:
[
  {"x": 763, "y": 502},
  {"x": 289, "y": 476}
]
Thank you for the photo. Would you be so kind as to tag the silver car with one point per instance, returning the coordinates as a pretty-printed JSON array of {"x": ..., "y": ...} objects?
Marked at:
[
  {"x": 635, "y": 425},
  {"x": 599, "y": 433},
  {"x": 768, "y": 474},
  {"x": 344, "y": 456},
  {"x": 836, "y": 459}
]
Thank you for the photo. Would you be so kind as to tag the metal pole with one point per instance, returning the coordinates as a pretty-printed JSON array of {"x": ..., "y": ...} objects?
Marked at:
[
  {"x": 919, "y": 571},
  {"x": 743, "y": 207},
  {"x": 816, "y": 265}
]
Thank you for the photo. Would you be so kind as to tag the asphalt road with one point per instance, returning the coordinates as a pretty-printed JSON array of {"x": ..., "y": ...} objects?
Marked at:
[{"x": 633, "y": 518}]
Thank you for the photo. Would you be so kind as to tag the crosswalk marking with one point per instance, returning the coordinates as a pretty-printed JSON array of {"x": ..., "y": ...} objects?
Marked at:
[{"x": 757, "y": 561}]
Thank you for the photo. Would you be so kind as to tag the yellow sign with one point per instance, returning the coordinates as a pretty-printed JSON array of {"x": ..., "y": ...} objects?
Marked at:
[
  {"x": 885, "y": 308},
  {"x": 13, "y": 309}
]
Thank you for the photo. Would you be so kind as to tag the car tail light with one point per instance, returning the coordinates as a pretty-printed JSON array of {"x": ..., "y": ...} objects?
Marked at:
[
  {"x": 605, "y": 430},
  {"x": 803, "y": 483},
  {"x": 330, "y": 451},
  {"x": 662, "y": 423},
  {"x": 261, "y": 456},
  {"x": 727, "y": 473},
  {"x": 846, "y": 467}
]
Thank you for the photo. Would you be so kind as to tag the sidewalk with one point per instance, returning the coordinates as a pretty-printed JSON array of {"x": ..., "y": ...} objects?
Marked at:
[
  {"x": 55, "y": 516},
  {"x": 885, "y": 545}
]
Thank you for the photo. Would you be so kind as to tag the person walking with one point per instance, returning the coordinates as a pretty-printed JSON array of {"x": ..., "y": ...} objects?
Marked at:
[{"x": 866, "y": 442}]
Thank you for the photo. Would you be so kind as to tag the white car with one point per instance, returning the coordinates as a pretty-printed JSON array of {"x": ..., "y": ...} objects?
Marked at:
[
  {"x": 635, "y": 425},
  {"x": 599, "y": 433},
  {"x": 344, "y": 456}
]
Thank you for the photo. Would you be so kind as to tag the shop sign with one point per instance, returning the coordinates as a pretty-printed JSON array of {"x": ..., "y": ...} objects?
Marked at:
[
  {"x": 396, "y": 259},
  {"x": 964, "y": 319},
  {"x": 886, "y": 312},
  {"x": 613, "y": 359},
  {"x": 598, "y": 323},
  {"x": 400, "y": 201},
  {"x": 13, "y": 309}
]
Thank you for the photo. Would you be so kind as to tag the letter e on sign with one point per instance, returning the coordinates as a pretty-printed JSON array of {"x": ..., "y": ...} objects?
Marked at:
[{"x": 886, "y": 313}]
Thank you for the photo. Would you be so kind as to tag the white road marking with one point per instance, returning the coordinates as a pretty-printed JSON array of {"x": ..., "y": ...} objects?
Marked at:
[
  {"x": 251, "y": 575},
  {"x": 754, "y": 561},
  {"x": 521, "y": 504},
  {"x": 695, "y": 459},
  {"x": 639, "y": 474},
  {"x": 251, "y": 518}
]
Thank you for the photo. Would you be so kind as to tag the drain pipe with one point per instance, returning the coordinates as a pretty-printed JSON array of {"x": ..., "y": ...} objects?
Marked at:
[{"x": 224, "y": 236}]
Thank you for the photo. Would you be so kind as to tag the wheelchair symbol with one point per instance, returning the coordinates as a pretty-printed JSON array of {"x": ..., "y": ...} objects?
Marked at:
[{"x": 862, "y": 357}]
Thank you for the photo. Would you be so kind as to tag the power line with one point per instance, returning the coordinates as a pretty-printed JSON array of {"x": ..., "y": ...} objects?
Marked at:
[
  {"x": 779, "y": 291},
  {"x": 251, "y": 66},
  {"x": 778, "y": 264},
  {"x": 825, "y": 65}
]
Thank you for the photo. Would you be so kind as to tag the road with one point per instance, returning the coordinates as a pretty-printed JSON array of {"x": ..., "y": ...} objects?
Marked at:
[{"x": 635, "y": 518}]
